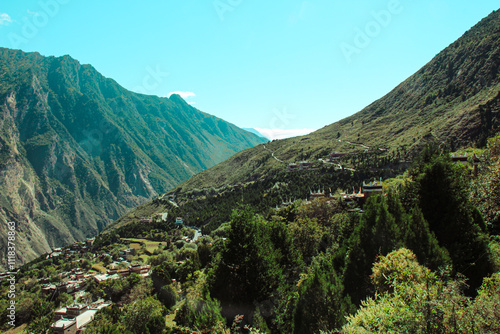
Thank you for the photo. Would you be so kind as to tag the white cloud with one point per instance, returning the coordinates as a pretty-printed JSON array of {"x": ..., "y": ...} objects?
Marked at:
[
  {"x": 283, "y": 133},
  {"x": 184, "y": 95},
  {"x": 5, "y": 19}
]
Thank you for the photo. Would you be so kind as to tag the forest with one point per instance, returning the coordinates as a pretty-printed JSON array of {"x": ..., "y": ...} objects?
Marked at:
[{"x": 421, "y": 258}]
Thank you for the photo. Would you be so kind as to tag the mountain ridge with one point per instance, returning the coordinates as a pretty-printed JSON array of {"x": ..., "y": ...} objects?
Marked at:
[{"x": 78, "y": 150}]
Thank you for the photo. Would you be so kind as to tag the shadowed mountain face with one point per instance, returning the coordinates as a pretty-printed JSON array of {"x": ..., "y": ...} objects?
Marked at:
[
  {"x": 453, "y": 100},
  {"x": 77, "y": 150}
]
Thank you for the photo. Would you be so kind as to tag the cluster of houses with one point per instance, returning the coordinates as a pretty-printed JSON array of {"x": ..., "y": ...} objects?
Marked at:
[
  {"x": 360, "y": 197},
  {"x": 77, "y": 248},
  {"x": 372, "y": 188},
  {"x": 301, "y": 166},
  {"x": 159, "y": 217},
  {"x": 114, "y": 273},
  {"x": 71, "y": 282},
  {"x": 367, "y": 190},
  {"x": 73, "y": 319}
]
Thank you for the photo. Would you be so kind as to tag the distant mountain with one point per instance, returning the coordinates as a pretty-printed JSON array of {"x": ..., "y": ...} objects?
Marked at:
[
  {"x": 453, "y": 100},
  {"x": 78, "y": 151},
  {"x": 255, "y": 132}
]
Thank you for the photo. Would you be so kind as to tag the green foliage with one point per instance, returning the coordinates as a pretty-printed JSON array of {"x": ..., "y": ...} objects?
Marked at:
[
  {"x": 321, "y": 304},
  {"x": 144, "y": 316},
  {"x": 115, "y": 290},
  {"x": 443, "y": 194},
  {"x": 423, "y": 242},
  {"x": 397, "y": 268},
  {"x": 167, "y": 296},
  {"x": 412, "y": 299},
  {"x": 107, "y": 321},
  {"x": 484, "y": 312},
  {"x": 377, "y": 233},
  {"x": 200, "y": 314},
  {"x": 415, "y": 301},
  {"x": 486, "y": 187},
  {"x": 247, "y": 270}
]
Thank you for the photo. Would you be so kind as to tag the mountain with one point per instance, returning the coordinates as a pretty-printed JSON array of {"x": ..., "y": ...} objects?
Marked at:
[
  {"x": 78, "y": 151},
  {"x": 255, "y": 132},
  {"x": 453, "y": 100}
]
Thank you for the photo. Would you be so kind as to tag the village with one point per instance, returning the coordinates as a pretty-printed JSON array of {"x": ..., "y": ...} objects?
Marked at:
[
  {"x": 83, "y": 266},
  {"x": 359, "y": 198},
  {"x": 132, "y": 258},
  {"x": 73, "y": 318}
]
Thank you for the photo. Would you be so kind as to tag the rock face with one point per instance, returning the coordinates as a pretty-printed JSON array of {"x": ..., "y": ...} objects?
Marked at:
[{"x": 77, "y": 150}]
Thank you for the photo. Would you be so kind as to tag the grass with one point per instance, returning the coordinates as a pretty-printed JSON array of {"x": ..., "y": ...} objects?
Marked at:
[
  {"x": 99, "y": 267},
  {"x": 152, "y": 246},
  {"x": 135, "y": 246},
  {"x": 134, "y": 240},
  {"x": 18, "y": 330},
  {"x": 148, "y": 245},
  {"x": 169, "y": 319}
]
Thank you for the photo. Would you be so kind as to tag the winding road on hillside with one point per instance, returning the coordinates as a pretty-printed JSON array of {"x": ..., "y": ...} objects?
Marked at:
[
  {"x": 358, "y": 144},
  {"x": 197, "y": 233},
  {"x": 272, "y": 153}
]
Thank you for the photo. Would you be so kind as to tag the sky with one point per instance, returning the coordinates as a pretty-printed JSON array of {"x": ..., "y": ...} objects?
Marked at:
[{"x": 282, "y": 67}]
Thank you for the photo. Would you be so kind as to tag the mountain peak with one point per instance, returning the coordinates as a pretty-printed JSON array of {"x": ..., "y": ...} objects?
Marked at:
[{"x": 85, "y": 150}]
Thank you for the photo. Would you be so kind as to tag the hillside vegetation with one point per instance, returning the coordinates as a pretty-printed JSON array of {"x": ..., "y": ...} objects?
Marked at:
[{"x": 306, "y": 267}]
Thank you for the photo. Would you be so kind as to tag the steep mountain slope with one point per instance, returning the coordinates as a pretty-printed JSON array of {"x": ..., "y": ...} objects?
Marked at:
[
  {"x": 77, "y": 150},
  {"x": 453, "y": 100}
]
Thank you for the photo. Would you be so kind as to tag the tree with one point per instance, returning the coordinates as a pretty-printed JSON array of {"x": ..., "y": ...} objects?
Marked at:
[
  {"x": 107, "y": 321},
  {"x": 484, "y": 311},
  {"x": 167, "y": 296},
  {"x": 486, "y": 187},
  {"x": 376, "y": 234},
  {"x": 423, "y": 242},
  {"x": 411, "y": 299},
  {"x": 196, "y": 313},
  {"x": 246, "y": 271},
  {"x": 444, "y": 200},
  {"x": 306, "y": 234},
  {"x": 143, "y": 316},
  {"x": 321, "y": 304}
]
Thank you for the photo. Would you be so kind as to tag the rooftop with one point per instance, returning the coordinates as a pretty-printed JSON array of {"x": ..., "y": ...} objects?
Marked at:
[
  {"x": 63, "y": 323},
  {"x": 84, "y": 318}
]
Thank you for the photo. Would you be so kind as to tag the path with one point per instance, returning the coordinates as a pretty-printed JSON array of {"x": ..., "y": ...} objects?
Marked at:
[
  {"x": 350, "y": 142},
  {"x": 197, "y": 233},
  {"x": 272, "y": 153},
  {"x": 339, "y": 166}
]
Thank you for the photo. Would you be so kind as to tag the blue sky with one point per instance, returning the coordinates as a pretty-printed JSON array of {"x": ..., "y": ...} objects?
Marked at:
[{"x": 289, "y": 66}]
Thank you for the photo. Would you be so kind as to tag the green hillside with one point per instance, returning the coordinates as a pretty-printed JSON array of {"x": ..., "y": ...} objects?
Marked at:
[
  {"x": 78, "y": 151},
  {"x": 453, "y": 100}
]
